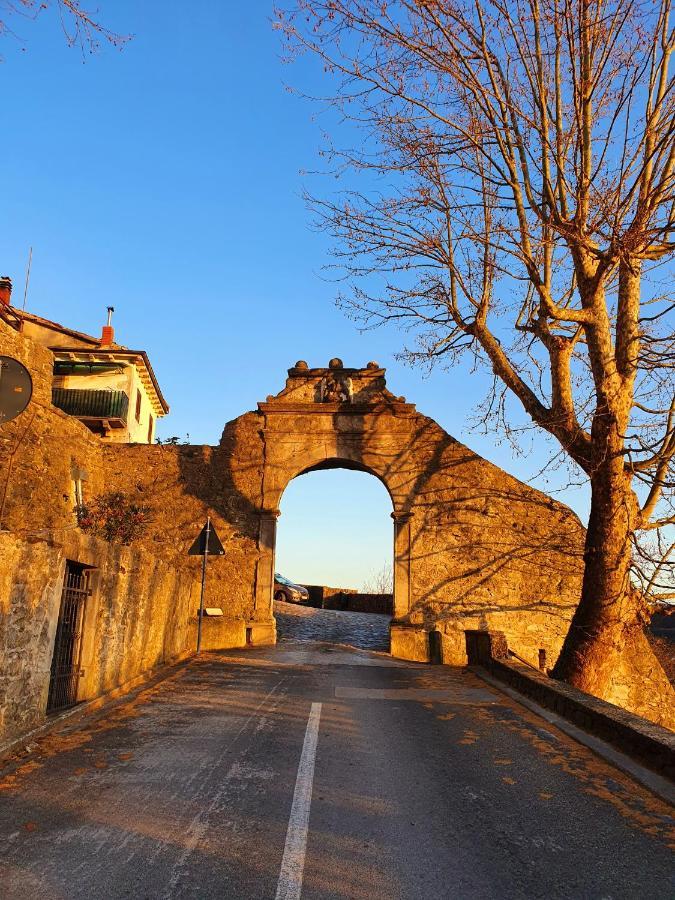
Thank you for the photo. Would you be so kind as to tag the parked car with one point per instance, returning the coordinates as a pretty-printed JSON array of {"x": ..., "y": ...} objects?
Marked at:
[{"x": 288, "y": 591}]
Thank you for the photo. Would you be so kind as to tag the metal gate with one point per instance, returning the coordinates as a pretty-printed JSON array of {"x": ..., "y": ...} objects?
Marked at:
[{"x": 65, "y": 672}]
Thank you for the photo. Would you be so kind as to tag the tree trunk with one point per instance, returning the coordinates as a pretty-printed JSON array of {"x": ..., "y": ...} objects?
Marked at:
[
  {"x": 605, "y": 643},
  {"x": 607, "y": 610}
]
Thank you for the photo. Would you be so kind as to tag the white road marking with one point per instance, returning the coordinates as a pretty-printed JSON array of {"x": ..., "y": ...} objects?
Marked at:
[{"x": 293, "y": 863}]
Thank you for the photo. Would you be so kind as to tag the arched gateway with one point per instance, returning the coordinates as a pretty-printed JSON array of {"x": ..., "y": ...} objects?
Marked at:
[{"x": 473, "y": 546}]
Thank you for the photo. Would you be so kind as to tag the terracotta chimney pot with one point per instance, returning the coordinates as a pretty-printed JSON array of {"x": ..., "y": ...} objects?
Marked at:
[
  {"x": 5, "y": 290},
  {"x": 108, "y": 332}
]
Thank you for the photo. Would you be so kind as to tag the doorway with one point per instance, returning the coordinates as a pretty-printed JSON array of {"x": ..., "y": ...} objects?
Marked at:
[{"x": 65, "y": 669}]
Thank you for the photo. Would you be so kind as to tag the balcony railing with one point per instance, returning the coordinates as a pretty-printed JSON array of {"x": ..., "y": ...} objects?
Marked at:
[{"x": 85, "y": 404}]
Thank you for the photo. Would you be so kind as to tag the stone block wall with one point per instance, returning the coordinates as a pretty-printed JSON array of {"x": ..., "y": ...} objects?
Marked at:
[
  {"x": 321, "y": 594},
  {"x": 181, "y": 485},
  {"x": 474, "y": 548},
  {"x": 41, "y": 451},
  {"x": 140, "y": 614},
  {"x": 349, "y": 600},
  {"x": 652, "y": 744},
  {"x": 488, "y": 552}
]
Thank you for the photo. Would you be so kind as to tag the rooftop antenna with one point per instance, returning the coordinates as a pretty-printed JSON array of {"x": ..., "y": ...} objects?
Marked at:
[{"x": 25, "y": 290}]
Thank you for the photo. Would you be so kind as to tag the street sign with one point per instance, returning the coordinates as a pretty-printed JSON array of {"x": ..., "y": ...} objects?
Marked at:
[
  {"x": 215, "y": 547},
  {"x": 207, "y": 544},
  {"x": 16, "y": 388}
]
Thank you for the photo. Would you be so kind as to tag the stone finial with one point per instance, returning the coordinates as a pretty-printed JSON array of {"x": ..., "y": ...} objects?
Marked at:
[
  {"x": 336, "y": 363},
  {"x": 373, "y": 365},
  {"x": 301, "y": 364}
]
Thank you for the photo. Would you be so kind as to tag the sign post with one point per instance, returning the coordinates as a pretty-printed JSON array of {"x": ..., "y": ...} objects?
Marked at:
[
  {"x": 201, "y": 596},
  {"x": 207, "y": 542}
]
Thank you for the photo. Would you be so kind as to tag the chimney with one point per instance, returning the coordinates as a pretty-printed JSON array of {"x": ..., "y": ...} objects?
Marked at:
[
  {"x": 5, "y": 291},
  {"x": 108, "y": 332}
]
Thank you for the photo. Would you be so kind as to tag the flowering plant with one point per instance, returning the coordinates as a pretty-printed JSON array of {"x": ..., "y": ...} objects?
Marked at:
[{"x": 115, "y": 517}]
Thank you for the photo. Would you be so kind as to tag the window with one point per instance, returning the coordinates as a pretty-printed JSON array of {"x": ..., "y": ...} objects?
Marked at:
[
  {"x": 77, "y": 477},
  {"x": 77, "y": 494},
  {"x": 151, "y": 422},
  {"x": 138, "y": 406}
]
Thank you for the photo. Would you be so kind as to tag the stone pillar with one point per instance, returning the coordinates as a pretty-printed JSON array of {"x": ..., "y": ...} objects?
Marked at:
[
  {"x": 264, "y": 583},
  {"x": 402, "y": 563}
]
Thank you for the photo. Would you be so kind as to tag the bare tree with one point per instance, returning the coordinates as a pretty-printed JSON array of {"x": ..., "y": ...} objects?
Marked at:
[
  {"x": 516, "y": 205},
  {"x": 80, "y": 26},
  {"x": 380, "y": 582}
]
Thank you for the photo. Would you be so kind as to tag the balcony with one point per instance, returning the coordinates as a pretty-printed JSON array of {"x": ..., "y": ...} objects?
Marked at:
[{"x": 98, "y": 410}]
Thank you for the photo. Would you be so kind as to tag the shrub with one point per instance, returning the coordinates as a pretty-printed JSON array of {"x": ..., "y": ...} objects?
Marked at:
[{"x": 115, "y": 517}]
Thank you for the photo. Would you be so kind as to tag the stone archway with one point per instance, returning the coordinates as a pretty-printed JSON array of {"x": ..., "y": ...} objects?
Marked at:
[{"x": 473, "y": 546}]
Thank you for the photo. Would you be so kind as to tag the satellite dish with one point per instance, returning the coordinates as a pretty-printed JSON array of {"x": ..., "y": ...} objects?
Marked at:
[{"x": 16, "y": 388}]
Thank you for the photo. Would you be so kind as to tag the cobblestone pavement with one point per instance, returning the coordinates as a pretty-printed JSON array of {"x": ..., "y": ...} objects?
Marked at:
[{"x": 366, "y": 631}]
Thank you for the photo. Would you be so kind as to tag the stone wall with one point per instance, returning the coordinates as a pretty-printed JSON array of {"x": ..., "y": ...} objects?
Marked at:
[
  {"x": 41, "y": 450},
  {"x": 320, "y": 594},
  {"x": 349, "y": 599},
  {"x": 181, "y": 485},
  {"x": 652, "y": 744},
  {"x": 143, "y": 607},
  {"x": 488, "y": 551},
  {"x": 474, "y": 548},
  {"x": 140, "y": 614}
]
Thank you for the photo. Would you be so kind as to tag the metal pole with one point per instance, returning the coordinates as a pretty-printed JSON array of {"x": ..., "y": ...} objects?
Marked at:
[
  {"x": 25, "y": 290},
  {"x": 201, "y": 599}
]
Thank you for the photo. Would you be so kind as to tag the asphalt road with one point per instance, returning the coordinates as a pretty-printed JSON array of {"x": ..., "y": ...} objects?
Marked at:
[{"x": 324, "y": 772}]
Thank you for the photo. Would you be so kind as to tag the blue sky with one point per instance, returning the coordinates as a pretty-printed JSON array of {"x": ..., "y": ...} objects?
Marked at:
[{"x": 165, "y": 180}]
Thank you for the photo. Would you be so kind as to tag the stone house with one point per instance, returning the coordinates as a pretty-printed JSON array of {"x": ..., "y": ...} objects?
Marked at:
[{"x": 108, "y": 387}]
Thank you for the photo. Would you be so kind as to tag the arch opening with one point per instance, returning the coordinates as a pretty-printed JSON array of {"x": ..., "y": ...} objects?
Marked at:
[{"x": 334, "y": 538}]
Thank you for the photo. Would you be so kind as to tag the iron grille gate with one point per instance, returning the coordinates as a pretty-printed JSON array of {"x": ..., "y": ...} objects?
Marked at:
[{"x": 65, "y": 672}]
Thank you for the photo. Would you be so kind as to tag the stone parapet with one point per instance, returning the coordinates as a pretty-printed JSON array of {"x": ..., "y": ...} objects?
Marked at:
[
  {"x": 380, "y": 604},
  {"x": 349, "y": 599},
  {"x": 651, "y": 744}
]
